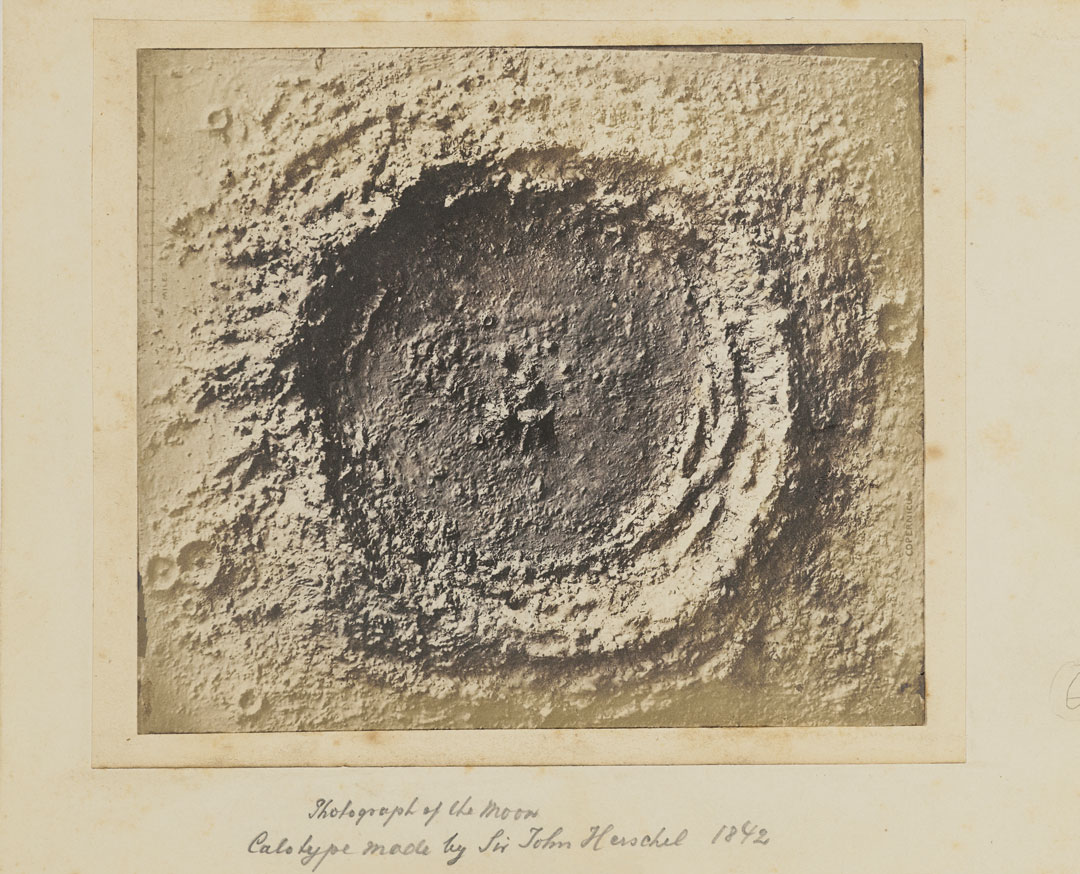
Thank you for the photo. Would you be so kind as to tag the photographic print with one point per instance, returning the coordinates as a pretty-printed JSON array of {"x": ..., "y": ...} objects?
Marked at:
[{"x": 530, "y": 388}]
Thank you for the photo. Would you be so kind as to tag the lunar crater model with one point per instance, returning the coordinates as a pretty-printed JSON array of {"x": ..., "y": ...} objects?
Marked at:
[
  {"x": 527, "y": 423},
  {"x": 563, "y": 425}
]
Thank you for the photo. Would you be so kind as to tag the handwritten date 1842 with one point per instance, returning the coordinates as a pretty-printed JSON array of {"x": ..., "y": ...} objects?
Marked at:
[{"x": 729, "y": 834}]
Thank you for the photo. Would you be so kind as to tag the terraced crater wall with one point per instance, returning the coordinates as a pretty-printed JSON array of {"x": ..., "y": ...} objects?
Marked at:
[{"x": 530, "y": 388}]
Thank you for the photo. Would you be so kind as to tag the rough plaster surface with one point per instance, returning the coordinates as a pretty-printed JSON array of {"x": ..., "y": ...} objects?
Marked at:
[{"x": 529, "y": 388}]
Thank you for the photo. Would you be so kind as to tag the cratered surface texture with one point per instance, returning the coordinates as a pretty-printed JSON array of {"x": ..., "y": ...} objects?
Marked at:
[{"x": 529, "y": 387}]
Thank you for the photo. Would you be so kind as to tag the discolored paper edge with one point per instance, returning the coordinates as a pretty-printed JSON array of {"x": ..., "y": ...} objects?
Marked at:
[{"x": 116, "y": 742}]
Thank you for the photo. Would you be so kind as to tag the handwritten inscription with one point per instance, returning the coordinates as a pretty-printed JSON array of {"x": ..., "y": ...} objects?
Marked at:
[
  {"x": 325, "y": 808},
  {"x": 450, "y": 830},
  {"x": 746, "y": 831},
  {"x": 312, "y": 854}
]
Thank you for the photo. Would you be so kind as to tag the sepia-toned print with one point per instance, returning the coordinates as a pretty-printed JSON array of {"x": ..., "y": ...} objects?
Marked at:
[{"x": 530, "y": 388}]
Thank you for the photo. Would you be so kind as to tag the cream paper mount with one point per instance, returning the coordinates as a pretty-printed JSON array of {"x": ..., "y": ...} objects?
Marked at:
[{"x": 448, "y": 415}]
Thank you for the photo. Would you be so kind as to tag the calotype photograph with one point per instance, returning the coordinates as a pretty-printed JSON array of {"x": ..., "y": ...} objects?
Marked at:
[{"x": 524, "y": 388}]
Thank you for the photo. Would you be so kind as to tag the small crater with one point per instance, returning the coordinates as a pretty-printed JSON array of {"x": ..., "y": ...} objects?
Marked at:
[
  {"x": 219, "y": 120},
  {"x": 199, "y": 563},
  {"x": 161, "y": 573},
  {"x": 250, "y": 702}
]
